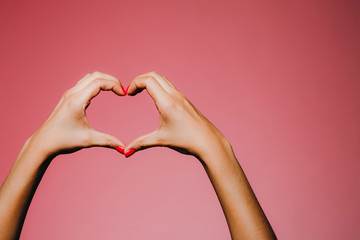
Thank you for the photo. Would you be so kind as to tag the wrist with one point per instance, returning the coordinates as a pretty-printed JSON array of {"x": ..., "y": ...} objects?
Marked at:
[
  {"x": 216, "y": 149},
  {"x": 34, "y": 151}
]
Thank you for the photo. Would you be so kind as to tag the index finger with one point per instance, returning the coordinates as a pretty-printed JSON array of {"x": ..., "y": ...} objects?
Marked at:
[
  {"x": 164, "y": 82},
  {"x": 100, "y": 84},
  {"x": 152, "y": 86},
  {"x": 88, "y": 78}
]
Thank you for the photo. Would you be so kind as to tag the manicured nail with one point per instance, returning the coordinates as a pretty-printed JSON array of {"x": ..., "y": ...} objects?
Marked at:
[
  {"x": 120, "y": 149},
  {"x": 127, "y": 89},
  {"x": 130, "y": 152},
  {"x": 124, "y": 91}
]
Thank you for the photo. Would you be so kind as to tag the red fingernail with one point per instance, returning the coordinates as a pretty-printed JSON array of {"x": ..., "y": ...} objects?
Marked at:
[
  {"x": 120, "y": 149},
  {"x": 127, "y": 89},
  {"x": 124, "y": 91},
  {"x": 130, "y": 152}
]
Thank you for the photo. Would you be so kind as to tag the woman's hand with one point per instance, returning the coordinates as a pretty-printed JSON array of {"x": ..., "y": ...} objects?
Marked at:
[
  {"x": 182, "y": 127},
  {"x": 67, "y": 129}
]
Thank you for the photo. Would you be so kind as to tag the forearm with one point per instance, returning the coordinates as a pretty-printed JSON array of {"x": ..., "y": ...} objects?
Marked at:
[
  {"x": 245, "y": 218},
  {"x": 19, "y": 187}
]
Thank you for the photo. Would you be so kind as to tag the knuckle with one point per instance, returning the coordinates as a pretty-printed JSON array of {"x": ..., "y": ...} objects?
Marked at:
[
  {"x": 96, "y": 74},
  {"x": 69, "y": 95},
  {"x": 108, "y": 141},
  {"x": 70, "y": 99},
  {"x": 153, "y": 73},
  {"x": 150, "y": 79},
  {"x": 97, "y": 81}
]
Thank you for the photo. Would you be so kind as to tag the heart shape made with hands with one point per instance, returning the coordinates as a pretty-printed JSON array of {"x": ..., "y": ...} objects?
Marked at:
[
  {"x": 131, "y": 116},
  {"x": 178, "y": 117}
]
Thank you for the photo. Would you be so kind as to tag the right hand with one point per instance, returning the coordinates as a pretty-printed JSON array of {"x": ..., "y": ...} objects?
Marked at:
[{"x": 182, "y": 127}]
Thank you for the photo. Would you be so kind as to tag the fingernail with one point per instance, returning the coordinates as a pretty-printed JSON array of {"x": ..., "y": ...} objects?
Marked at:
[
  {"x": 127, "y": 89},
  {"x": 130, "y": 152},
  {"x": 120, "y": 149},
  {"x": 124, "y": 91}
]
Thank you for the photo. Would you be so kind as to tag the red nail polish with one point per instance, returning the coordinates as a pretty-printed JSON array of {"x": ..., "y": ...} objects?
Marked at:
[
  {"x": 124, "y": 91},
  {"x": 130, "y": 152},
  {"x": 127, "y": 89},
  {"x": 120, "y": 149}
]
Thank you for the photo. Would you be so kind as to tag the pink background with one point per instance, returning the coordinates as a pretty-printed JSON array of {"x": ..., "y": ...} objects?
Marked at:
[{"x": 281, "y": 79}]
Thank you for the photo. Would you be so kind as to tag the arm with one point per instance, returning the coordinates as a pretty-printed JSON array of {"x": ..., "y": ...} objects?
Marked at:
[
  {"x": 183, "y": 128},
  {"x": 244, "y": 215},
  {"x": 66, "y": 130}
]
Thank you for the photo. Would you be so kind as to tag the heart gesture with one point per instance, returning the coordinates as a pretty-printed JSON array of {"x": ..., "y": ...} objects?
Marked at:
[{"x": 182, "y": 127}]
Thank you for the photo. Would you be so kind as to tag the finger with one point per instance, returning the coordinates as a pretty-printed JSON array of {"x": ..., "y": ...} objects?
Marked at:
[
  {"x": 92, "y": 76},
  {"x": 105, "y": 140},
  {"x": 80, "y": 83},
  {"x": 153, "y": 87},
  {"x": 88, "y": 78},
  {"x": 146, "y": 141},
  {"x": 100, "y": 84},
  {"x": 162, "y": 81}
]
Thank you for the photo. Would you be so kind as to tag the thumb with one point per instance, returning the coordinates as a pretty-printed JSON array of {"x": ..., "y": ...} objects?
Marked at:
[
  {"x": 146, "y": 141},
  {"x": 105, "y": 140}
]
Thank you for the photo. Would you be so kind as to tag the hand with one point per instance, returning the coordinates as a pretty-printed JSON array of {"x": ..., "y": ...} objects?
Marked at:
[
  {"x": 67, "y": 129},
  {"x": 182, "y": 127}
]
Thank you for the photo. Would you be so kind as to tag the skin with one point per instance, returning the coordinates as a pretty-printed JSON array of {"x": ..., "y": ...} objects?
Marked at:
[{"x": 182, "y": 127}]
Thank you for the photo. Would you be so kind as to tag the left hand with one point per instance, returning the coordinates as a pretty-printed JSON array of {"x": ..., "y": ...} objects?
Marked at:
[{"x": 67, "y": 129}]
